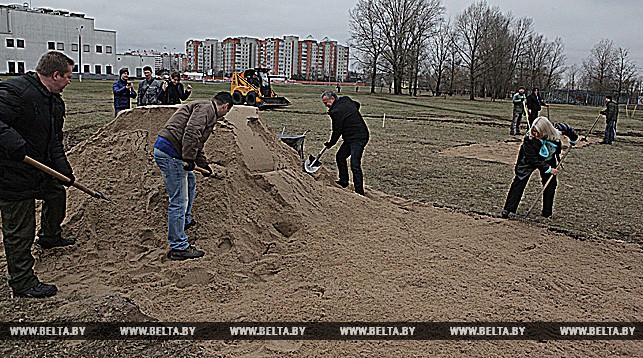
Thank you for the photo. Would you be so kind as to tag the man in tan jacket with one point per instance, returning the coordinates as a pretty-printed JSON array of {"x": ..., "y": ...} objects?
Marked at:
[{"x": 178, "y": 148}]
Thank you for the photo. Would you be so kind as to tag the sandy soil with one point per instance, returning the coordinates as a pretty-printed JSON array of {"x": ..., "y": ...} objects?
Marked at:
[{"x": 282, "y": 245}]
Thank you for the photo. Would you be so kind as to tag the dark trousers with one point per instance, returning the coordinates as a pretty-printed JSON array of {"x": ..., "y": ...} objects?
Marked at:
[
  {"x": 610, "y": 132},
  {"x": 354, "y": 149},
  {"x": 518, "y": 188},
  {"x": 19, "y": 228},
  {"x": 515, "y": 123},
  {"x": 532, "y": 116}
]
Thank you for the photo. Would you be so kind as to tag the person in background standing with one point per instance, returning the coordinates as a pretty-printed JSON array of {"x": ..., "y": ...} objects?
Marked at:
[
  {"x": 173, "y": 92},
  {"x": 611, "y": 115},
  {"x": 149, "y": 90},
  {"x": 519, "y": 110},
  {"x": 123, "y": 91},
  {"x": 534, "y": 105}
]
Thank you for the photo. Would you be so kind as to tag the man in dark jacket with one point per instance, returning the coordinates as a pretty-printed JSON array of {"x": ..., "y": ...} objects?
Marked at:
[
  {"x": 534, "y": 105},
  {"x": 173, "y": 92},
  {"x": 178, "y": 148},
  {"x": 31, "y": 122},
  {"x": 611, "y": 115},
  {"x": 123, "y": 91},
  {"x": 348, "y": 123}
]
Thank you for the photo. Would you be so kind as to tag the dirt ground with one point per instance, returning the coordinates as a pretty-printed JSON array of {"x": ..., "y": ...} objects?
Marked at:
[{"x": 282, "y": 245}]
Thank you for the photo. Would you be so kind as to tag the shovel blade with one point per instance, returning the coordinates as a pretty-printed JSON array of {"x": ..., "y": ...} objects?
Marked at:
[{"x": 312, "y": 164}]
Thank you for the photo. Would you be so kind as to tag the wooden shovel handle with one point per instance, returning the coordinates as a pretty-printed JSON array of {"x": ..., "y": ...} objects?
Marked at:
[{"x": 57, "y": 175}]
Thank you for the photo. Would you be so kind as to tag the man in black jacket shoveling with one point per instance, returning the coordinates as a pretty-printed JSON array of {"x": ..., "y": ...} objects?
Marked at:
[
  {"x": 31, "y": 123},
  {"x": 348, "y": 123}
]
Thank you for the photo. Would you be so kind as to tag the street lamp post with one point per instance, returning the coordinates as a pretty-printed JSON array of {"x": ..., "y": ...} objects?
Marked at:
[{"x": 80, "y": 52}]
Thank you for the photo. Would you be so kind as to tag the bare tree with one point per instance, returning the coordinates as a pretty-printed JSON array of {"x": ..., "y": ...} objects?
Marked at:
[
  {"x": 599, "y": 66},
  {"x": 366, "y": 36},
  {"x": 496, "y": 51},
  {"x": 440, "y": 52},
  {"x": 625, "y": 71},
  {"x": 406, "y": 24},
  {"x": 572, "y": 73},
  {"x": 555, "y": 63},
  {"x": 469, "y": 29}
]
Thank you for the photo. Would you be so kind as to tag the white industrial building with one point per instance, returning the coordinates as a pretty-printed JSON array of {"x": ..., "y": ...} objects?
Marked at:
[{"x": 28, "y": 33}]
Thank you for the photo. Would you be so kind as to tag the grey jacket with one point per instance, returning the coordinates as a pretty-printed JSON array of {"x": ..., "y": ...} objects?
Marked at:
[
  {"x": 149, "y": 92},
  {"x": 189, "y": 128}
]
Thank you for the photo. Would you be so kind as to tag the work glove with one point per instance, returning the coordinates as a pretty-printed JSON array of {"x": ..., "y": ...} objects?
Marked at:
[
  {"x": 206, "y": 167},
  {"x": 328, "y": 145},
  {"x": 188, "y": 165},
  {"x": 20, "y": 154},
  {"x": 71, "y": 181},
  {"x": 603, "y": 112}
]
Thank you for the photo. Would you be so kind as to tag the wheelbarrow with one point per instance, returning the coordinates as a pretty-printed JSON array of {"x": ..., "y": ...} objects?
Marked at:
[{"x": 296, "y": 141}]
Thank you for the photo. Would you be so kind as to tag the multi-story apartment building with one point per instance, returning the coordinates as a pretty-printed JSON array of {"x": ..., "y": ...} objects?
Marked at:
[
  {"x": 211, "y": 56},
  {"x": 288, "y": 56},
  {"x": 192, "y": 54}
]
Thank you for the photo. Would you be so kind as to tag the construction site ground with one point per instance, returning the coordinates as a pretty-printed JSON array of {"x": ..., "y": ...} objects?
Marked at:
[{"x": 424, "y": 244}]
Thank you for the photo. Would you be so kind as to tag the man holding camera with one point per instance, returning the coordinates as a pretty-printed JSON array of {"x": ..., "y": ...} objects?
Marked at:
[{"x": 123, "y": 91}]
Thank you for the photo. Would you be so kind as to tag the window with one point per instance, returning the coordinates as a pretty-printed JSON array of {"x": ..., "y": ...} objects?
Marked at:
[
  {"x": 21, "y": 67},
  {"x": 99, "y": 49},
  {"x": 12, "y": 67},
  {"x": 85, "y": 68},
  {"x": 75, "y": 68},
  {"x": 85, "y": 48},
  {"x": 108, "y": 69},
  {"x": 108, "y": 49},
  {"x": 51, "y": 45},
  {"x": 74, "y": 47},
  {"x": 20, "y": 43},
  {"x": 97, "y": 69},
  {"x": 60, "y": 46},
  {"x": 10, "y": 43}
]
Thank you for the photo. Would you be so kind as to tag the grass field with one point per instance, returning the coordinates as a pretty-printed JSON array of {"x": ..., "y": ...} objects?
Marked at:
[{"x": 598, "y": 194}]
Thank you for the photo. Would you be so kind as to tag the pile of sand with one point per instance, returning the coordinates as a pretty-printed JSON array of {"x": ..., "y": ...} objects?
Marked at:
[{"x": 282, "y": 245}]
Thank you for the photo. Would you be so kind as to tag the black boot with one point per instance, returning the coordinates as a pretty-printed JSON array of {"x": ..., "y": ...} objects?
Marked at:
[
  {"x": 41, "y": 290},
  {"x": 57, "y": 242}
]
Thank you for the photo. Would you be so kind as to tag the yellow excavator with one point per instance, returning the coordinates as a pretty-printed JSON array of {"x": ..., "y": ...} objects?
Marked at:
[{"x": 253, "y": 87}]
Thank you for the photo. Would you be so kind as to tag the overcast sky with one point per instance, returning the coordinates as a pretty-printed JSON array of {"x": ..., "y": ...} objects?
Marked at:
[{"x": 170, "y": 23}]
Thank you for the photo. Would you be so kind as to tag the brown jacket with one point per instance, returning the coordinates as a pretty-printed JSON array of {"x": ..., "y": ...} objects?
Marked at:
[{"x": 189, "y": 128}]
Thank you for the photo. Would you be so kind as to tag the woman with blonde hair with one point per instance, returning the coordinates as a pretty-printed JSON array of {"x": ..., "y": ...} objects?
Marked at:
[{"x": 539, "y": 150}]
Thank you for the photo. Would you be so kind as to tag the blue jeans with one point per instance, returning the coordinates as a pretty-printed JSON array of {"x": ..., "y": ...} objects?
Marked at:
[
  {"x": 610, "y": 132},
  {"x": 181, "y": 187}
]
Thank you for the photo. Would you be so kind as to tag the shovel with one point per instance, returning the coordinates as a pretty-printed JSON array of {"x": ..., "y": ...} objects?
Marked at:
[
  {"x": 313, "y": 164},
  {"x": 584, "y": 139},
  {"x": 57, "y": 175}
]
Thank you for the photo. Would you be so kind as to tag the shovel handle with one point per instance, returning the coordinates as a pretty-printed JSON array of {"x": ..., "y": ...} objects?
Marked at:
[{"x": 57, "y": 175}]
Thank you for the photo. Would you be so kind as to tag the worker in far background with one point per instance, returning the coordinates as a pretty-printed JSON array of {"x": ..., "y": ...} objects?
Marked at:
[
  {"x": 348, "y": 123},
  {"x": 611, "y": 115}
]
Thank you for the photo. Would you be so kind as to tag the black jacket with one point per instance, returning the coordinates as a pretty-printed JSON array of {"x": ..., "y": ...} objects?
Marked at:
[
  {"x": 347, "y": 121},
  {"x": 31, "y": 123},
  {"x": 611, "y": 112},
  {"x": 529, "y": 158},
  {"x": 534, "y": 102},
  {"x": 174, "y": 94}
]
